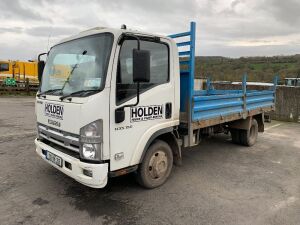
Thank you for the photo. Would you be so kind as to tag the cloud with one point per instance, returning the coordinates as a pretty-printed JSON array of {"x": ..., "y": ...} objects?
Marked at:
[
  {"x": 45, "y": 31},
  {"x": 283, "y": 11},
  {"x": 228, "y": 28},
  {"x": 11, "y": 29},
  {"x": 15, "y": 9}
]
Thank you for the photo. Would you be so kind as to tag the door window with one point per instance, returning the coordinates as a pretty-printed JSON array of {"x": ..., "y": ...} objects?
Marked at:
[{"x": 159, "y": 68}]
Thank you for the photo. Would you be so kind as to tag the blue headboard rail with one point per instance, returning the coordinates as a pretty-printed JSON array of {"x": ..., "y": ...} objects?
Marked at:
[{"x": 186, "y": 51}]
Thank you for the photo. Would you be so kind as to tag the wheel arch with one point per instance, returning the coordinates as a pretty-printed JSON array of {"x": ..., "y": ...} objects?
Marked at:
[
  {"x": 167, "y": 135},
  {"x": 260, "y": 121},
  {"x": 244, "y": 124}
]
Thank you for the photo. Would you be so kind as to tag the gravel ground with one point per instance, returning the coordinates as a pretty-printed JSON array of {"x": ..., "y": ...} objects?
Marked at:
[{"x": 219, "y": 182}]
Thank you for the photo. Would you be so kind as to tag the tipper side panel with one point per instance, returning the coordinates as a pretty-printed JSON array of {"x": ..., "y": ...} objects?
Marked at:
[{"x": 227, "y": 105}]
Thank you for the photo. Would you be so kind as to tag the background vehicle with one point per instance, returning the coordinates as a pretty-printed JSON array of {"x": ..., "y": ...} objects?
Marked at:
[
  {"x": 128, "y": 104},
  {"x": 14, "y": 72},
  {"x": 292, "y": 82}
]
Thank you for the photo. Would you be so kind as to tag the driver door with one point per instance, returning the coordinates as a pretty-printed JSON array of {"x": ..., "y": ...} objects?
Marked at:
[{"x": 154, "y": 111}]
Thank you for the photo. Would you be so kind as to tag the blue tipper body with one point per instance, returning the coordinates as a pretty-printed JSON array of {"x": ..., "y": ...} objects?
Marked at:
[{"x": 210, "y": 103}]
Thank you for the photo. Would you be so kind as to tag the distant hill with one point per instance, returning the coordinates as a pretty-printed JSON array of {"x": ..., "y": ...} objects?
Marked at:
[{"x": 258, "y": 68}]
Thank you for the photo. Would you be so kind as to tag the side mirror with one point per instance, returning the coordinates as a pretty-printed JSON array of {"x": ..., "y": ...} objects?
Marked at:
[
  {"x": 141, "y": 66},
  {"x": 41, "y": 65}
]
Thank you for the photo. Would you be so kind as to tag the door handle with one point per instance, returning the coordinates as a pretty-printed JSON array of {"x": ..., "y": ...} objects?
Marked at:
[{"x": 168, "y": 112}]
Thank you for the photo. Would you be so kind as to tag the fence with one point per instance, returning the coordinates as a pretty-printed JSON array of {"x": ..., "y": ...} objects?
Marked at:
[{"x": 21, "y": 89}]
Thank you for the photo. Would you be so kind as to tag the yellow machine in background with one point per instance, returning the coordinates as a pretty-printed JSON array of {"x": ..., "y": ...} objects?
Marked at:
[{"x": 19, "y": 71}]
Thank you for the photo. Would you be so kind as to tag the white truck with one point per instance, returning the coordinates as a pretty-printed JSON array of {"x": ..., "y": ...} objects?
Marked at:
[{"x": 127, "y": 104}]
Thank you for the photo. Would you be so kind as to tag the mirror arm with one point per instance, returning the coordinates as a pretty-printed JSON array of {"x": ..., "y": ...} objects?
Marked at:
[
  {"x": 137, "y": 98},
  {"x": 119, "y": 112},
  {"x": 137, "y": 38},
  {"x": 138, "y": 83}
]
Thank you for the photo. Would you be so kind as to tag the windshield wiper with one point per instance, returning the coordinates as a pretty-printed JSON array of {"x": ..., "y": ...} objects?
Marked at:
[
  {"x": 76, "y": 93},
  {"x": 48, "y": 91},
  {"x": 72, "y": 71}
]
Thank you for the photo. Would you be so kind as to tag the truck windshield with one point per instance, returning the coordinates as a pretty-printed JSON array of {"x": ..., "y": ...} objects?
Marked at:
[{"x": 77, "y": 65}]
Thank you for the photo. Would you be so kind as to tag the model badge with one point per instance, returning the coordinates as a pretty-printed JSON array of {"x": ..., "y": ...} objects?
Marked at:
[{"x": 54, "y": 122}]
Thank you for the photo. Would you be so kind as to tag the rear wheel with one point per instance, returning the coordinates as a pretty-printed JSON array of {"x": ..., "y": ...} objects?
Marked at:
[
  {"x": 156, "y": 166},
  {"x": 249, "y": 137}
]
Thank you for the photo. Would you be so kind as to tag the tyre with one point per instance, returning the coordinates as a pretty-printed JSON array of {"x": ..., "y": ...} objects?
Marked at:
[
  {"x": 235, "y": 136},
  {"x": 249, "y": 137},
  {"x": 156, "y": 165}
]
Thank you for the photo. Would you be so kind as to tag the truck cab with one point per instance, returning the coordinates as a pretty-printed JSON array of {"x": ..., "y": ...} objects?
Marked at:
[{"x": 96, "y": 119}]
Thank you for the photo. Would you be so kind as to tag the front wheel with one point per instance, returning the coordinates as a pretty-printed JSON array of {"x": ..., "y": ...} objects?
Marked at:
[{"x": 156, "y": 166}]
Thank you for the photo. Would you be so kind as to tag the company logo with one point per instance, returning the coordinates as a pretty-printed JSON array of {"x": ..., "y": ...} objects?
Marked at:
[
  {"x": 54, "y": 110},
  {"x": 144, "y": 113}
]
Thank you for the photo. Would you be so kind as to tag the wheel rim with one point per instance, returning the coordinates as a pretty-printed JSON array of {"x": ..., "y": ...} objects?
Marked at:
[{"x": 158, "y": 165}]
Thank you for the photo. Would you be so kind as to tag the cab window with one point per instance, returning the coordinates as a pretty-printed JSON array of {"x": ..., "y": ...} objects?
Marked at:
[
  {"x": 159, "y": 68},
  {"x": 4, "y": 67}
]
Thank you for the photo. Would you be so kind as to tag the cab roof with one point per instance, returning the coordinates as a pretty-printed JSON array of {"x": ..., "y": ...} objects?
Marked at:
[{"x": 115, "y": 32}]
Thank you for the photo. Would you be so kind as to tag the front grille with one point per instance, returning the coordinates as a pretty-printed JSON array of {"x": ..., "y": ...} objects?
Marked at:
[
  {"x": 61, "y": 149},
  {"x": 59, "y": 137}
]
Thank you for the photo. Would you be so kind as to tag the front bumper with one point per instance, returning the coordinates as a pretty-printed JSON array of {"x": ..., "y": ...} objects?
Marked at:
[{"x": 99, "y": 171}]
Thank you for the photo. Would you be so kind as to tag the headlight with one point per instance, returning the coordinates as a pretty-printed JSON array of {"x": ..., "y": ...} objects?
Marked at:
[
  {"x": 91, "y": 141},
  {"x": 88, "y": 151}
]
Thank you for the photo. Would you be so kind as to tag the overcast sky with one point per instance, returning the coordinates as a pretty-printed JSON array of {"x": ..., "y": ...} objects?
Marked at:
[{"x": 224, "y": 27}]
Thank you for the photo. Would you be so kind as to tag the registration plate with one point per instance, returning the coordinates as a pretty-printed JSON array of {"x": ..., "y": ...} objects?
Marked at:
[{"x": 54, "y": 158}]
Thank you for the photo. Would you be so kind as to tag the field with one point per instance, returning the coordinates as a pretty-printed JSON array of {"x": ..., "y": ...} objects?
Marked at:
[{"x": 260, "y": 69}]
